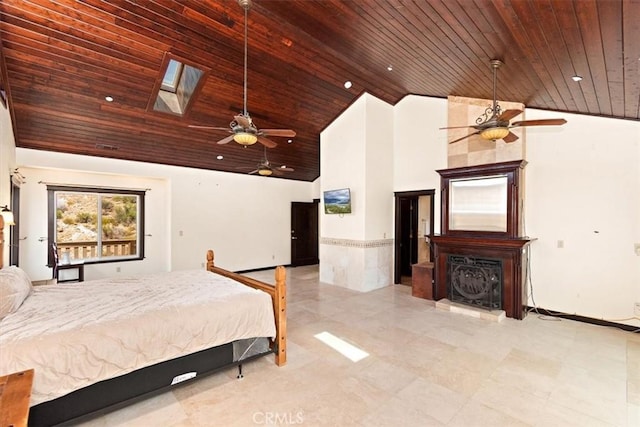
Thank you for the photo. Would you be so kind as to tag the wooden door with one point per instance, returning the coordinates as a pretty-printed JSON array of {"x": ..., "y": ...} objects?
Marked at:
[{"x": 304, "y": 233}]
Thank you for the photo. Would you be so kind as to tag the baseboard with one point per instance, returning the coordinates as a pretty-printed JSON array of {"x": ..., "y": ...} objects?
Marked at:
[
  {"x": 253, "y": 270},
  {"x": 599, "y": 322}
]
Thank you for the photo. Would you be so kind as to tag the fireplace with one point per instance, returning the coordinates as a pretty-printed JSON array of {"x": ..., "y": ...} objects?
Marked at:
[
  {"x": 479, "y": 258},
  {"x": 502, "y": 258},
  {"x": 475, "y": 281}
]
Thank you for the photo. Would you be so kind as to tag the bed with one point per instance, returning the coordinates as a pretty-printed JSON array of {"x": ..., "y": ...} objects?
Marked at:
[{"x": 116, "y": 356}]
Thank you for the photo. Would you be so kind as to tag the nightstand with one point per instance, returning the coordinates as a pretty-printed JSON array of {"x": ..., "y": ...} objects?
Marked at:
[{"x": 15, "y": 393}]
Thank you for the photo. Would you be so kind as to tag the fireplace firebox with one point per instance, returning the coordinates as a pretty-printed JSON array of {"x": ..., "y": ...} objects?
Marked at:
[{"x": 475, "y": 281}]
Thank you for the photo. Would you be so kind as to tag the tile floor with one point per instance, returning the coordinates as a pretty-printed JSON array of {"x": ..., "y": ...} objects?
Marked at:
[{"x": 426, "y": 367}]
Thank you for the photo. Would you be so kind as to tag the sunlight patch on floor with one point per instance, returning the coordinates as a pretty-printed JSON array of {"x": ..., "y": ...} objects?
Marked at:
[{"x": 349, "y": 351}]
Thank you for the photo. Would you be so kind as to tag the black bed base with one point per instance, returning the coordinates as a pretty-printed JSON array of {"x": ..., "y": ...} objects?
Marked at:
[{"x": 108, "y": 395}]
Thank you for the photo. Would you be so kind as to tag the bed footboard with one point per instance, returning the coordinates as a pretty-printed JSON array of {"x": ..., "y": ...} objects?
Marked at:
[{"x": 278, "y": 294}]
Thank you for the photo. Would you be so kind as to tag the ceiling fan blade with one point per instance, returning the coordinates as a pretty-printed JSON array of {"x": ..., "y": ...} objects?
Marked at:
[
  {"x": 511, "y": 137},
  {"x": 252, "y": 172},
  {"x": 243, "y": 121},
  {"x": 458, "y": 127},
  {"x": 279, "y": 132},
  {"x": 209, "y": 127},
  {"x": 542, "y": 122},
  {"x": 225, "y": 140},
  {"x": 508, "y": 115},
  {"x": 464, "y": 137},
  {"x": 267, "y": 142}
]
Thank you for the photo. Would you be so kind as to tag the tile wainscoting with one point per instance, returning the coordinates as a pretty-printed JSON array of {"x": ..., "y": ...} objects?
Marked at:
[{"x": 361, "y": 265}]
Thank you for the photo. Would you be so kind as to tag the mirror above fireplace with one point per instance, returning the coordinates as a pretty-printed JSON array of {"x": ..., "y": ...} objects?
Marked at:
[
  {"x": 478, "y": 204},
  {"x": 482, "y": 200}
]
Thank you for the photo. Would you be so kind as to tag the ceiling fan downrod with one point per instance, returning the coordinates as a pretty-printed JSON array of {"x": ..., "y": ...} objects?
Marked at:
[
  {"x": 495, "y": 64},
  {"x": 245, "y": 4}
]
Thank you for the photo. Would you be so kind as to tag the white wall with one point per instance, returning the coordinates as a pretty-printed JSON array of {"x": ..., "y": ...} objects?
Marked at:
[
  {"x": 420, "y": 148},
  {"x": 583, "y": 189},
  {"x": 245, "y": 219},
  {"x": 7, "y": 165},
  {"x": 357, "y": 152},
  {"x": 379, "y": 170},
  {"x": 342, "y": 165}
]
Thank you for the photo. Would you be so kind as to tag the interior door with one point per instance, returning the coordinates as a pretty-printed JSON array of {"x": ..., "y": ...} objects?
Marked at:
[{"x": 304, "y": 233}]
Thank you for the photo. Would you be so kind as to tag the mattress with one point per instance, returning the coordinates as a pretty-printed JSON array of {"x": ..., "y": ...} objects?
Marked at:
[{"x": 77, "y": 334}]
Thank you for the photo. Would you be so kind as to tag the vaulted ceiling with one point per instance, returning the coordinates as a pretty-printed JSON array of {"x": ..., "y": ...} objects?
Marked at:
[{"x": 61, "y": 59}]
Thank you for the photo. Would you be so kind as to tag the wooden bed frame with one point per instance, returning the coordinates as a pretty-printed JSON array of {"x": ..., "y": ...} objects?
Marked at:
[
  {"x": 120, "y": 391},
  {"x": 278, "y": 296}
]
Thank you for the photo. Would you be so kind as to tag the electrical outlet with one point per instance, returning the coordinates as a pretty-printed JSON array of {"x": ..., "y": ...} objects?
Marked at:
[
  {"x": 636, "y": 248},
  {"x": 636, "y": 309},
  {"x": 560, "y": 244},
  {"x": 117, "y": 269}
]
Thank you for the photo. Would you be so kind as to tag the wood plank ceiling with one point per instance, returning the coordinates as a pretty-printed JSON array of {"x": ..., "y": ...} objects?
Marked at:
[{"x": 61, "y": 58}]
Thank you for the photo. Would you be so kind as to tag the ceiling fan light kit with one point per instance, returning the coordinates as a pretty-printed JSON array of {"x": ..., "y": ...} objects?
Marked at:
[
  {"x": 494, "y": 133},
  {"x": 265, "y": 172},
  {"x": 245, "y": 138}
]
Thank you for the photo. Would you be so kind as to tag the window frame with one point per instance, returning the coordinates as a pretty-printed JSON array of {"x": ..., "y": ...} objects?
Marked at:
[{"x": 51, "y": 218}]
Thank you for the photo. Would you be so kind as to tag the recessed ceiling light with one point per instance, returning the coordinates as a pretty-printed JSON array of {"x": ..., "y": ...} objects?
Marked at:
[
  {"x": 220, "y": 157},
  {"x": 390, "y": 67},
  {"x": 108, "y": 98},
  {"x": 347, "y": 84},
  {"x": 576, "y": 78},
  {"x": 289, "y": 141},
  {"x": 283, "y": 167}
]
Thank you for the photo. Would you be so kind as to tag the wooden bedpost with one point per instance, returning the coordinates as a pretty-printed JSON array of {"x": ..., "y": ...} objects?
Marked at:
[
  {"x": 280, "y": 312},
  {"x": 210, "y": 260}
]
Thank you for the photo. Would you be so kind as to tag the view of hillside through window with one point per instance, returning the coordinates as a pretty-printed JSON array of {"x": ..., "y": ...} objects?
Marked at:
[{"x": 96, "y": 226}]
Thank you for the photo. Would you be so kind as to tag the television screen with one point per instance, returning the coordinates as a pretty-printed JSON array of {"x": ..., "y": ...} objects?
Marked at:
[{"x": 337, "y": 201}]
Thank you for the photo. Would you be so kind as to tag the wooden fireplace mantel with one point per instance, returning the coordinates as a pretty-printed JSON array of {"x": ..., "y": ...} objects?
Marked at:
[{"x": 509, "y": 250}]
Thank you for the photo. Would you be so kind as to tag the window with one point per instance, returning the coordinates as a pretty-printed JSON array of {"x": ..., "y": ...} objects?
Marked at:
[{"x": 96, "y": 224}]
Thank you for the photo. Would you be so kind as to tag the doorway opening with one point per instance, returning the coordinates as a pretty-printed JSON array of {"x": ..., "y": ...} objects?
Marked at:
[{"x": 414, "y": 218}]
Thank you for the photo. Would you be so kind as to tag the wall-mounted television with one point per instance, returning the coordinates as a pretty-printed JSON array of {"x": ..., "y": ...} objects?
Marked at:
[{"x": 337, "y": 201}]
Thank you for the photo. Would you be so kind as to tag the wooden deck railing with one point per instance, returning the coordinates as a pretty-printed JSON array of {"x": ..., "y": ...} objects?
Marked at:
[{"x": 83, "y": 250}]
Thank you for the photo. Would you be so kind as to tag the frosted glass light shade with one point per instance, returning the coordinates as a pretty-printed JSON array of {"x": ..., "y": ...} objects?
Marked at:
[
  {"x": 245, "y": 138},
  {"x": 494, "y": 133}
]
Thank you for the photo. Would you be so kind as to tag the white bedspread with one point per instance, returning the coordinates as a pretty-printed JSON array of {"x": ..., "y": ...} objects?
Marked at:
[{"x": 77, "y": 334}]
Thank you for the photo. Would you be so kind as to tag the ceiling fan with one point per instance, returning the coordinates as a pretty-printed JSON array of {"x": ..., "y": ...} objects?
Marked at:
[
  {"x": 494, "y": 123},
  {"x": 266, "y": 168},
  {"x": 242, "y": 129}
]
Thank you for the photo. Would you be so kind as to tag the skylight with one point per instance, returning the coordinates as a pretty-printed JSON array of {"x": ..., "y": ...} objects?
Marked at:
[
  {"x": 177, "y": 84},
  {"x": 172, "y": 76}
]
